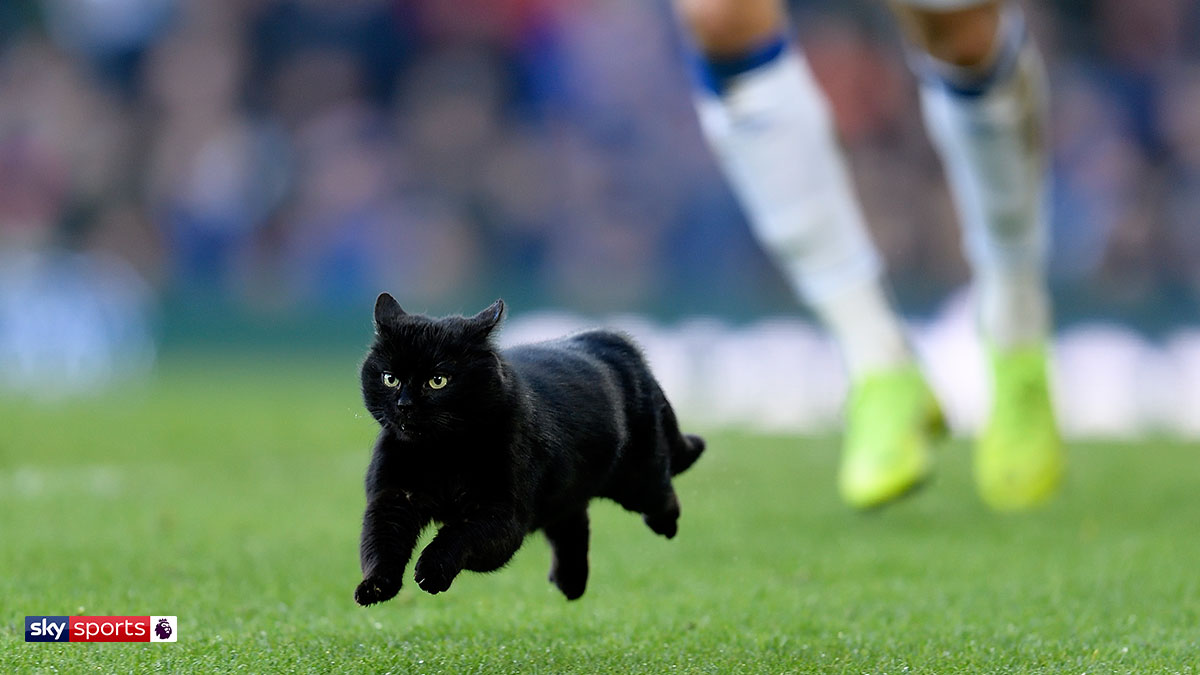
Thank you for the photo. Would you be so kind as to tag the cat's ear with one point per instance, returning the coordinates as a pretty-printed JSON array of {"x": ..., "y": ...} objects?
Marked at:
[
  {"x": 387, "y": 310},
  {"x": 487, "y": 320}
]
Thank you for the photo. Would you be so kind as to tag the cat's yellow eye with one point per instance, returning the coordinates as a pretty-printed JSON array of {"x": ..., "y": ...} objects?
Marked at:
[
  {"x": 390, "y": 381},
  {"x": 438, "y": 381}
]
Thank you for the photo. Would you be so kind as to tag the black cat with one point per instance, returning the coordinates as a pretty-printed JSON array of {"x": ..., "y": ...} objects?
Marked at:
[{"x": 496, "y": 444}]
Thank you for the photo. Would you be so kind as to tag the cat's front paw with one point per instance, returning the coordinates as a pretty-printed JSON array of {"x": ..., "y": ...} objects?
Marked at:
[
  {"x": 434, "y": 573},
  {"x": 375, "y": 589}
]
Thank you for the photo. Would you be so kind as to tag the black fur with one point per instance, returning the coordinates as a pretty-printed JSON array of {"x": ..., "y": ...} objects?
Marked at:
[{"x": 514, "y": 441}]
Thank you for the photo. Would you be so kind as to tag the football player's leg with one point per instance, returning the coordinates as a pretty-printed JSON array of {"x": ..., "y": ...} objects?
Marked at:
[
  {"x": 983, "y": 94},
  {"x": 771, "y": 130}
]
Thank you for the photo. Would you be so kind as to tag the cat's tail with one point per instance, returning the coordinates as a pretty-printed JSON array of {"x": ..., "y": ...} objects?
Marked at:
[
  {"x": 685, "y": 449},
  {"x": 685, "y": 453}
]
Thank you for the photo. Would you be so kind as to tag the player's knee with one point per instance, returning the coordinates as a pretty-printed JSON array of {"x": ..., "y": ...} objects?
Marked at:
[
  {"x": 964, "y": 38},
  {"x": 731, "y": 27}
]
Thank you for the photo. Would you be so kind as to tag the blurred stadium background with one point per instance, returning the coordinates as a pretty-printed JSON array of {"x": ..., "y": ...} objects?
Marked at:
[{"x": 243, "y": 176}]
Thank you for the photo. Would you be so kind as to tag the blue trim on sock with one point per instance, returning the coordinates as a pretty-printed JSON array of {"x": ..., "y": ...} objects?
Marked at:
[
  {"x": 715, "y": 74},
  {"x": 1015, "y": 36}
]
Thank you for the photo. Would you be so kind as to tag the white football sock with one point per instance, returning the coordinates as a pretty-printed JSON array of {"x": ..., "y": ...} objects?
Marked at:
[
  {"x": 771, "y": 131},
  {"x": 865, "y": 326},
  {"x": 989, "y": 128}
]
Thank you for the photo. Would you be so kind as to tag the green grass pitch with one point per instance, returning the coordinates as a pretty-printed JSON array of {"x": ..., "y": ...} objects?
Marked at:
[{"x": 231, "y": 497}]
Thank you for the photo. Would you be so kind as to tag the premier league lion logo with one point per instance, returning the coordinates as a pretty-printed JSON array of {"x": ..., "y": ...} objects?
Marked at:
[{"x": 163, "y": 629}]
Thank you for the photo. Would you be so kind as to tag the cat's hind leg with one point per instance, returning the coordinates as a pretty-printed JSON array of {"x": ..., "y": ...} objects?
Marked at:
[
  {"x": 568, "y": 539},
  {"x": 645, "y": 488},
  {"x": 656, "y": 452},
  {"x": 681, "y": 451},
  {"x": 665, "y": 519}
]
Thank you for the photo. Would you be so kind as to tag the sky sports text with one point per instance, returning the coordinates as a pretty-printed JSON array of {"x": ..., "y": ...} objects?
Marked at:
[{"x": 101, "y": 629}]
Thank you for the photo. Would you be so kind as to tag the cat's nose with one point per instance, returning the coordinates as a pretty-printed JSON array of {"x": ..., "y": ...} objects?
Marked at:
[{"x": 404, "y": 400}]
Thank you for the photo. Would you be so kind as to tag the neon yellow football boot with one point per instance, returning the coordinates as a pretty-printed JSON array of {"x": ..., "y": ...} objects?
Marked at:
[
  {"x": 1019, "y": 459},
  {"x": 892, "y": 419}
]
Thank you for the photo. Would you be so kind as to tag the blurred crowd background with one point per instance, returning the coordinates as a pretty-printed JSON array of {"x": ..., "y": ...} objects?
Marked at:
[
  {"x": 303, "y": 154},
  {"x": 236, "y": 164}
]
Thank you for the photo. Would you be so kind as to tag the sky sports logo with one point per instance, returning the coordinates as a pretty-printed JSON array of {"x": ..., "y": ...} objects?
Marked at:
[{"x": 101, "y": 629}]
